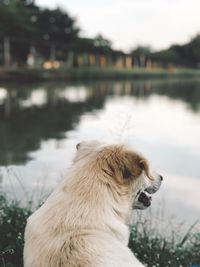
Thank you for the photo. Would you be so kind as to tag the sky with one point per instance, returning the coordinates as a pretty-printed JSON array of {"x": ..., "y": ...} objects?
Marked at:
[{"x": 129, "y": 23}]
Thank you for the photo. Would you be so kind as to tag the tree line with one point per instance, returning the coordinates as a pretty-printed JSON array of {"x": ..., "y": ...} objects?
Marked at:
[
  {"x": 187, "y": 55},
  {"x": 27, "y": 25}
]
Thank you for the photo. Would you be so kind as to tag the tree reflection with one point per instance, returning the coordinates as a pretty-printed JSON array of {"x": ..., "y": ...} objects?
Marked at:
[
  {"x": 24, "y": 126},
  {"x": 33, "y": 113}
]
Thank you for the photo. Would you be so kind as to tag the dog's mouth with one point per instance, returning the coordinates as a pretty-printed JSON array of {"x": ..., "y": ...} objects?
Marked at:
[{"x": 145, "y": 198}]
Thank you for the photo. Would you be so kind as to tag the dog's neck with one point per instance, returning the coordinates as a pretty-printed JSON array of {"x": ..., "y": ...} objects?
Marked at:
[
  {"x": 97, "y": 208},
  {"x": 121, "y": 213}
]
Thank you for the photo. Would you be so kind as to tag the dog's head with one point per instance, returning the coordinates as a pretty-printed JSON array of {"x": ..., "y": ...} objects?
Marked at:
[{"x": 124, "y": 171}]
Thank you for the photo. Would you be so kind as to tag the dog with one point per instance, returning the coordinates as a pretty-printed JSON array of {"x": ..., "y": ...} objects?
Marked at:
[{"x": 84, "y": 222}]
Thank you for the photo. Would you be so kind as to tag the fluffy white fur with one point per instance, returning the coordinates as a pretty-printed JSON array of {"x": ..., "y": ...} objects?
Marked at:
[{"x": 83, "y": 223}]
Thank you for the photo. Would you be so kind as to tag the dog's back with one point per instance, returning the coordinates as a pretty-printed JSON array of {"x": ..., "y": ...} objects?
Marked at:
[
  {"x": 81, "y": 248},
  {"x": 58, "y": 235}
]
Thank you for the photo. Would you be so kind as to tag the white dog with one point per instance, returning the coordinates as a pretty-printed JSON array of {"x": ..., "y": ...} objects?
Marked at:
[{"x": 84, "y": 222}]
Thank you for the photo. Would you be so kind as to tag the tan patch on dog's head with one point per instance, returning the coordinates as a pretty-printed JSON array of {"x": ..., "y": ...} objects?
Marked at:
[{"x": 122, "y": 164}]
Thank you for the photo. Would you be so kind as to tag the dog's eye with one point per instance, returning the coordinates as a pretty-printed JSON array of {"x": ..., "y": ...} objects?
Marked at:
[
  {"x": 145, "y": 167},
  {"x": 142, "y": 165},
  {"x": 78, "y": 146},
  {"x": 126, "y": 173}
]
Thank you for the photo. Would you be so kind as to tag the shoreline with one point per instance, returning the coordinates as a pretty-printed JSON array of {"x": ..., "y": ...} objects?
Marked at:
[{"x": 71, "y": 74}]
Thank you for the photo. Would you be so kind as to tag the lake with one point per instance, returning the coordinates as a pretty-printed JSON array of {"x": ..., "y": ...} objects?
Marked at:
[{"x": 40, "y": 124}]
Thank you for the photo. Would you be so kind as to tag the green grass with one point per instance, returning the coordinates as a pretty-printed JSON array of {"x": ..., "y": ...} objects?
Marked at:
[
  {"x": 38, "y": 74},
  {"x": 147, "y": 243},
  {"x": 178, "y": 249},
  {"x": 12, "y": 225}
]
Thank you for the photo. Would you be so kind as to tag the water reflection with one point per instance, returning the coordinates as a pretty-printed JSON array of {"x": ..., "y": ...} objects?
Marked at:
[
  {"x": 28, "y": 116},
  {"x": 32, "y": 113}
]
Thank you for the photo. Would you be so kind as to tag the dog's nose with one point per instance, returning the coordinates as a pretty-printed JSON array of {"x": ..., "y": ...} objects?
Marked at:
[{"x": 161, "y": 178}]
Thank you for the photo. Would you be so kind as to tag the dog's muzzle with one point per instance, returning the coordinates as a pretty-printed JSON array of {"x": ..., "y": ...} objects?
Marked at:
[{"x": 144, "y": 198}]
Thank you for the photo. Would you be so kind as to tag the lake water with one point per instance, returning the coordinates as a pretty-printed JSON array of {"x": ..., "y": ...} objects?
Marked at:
[{"x": 40, "y": 125}]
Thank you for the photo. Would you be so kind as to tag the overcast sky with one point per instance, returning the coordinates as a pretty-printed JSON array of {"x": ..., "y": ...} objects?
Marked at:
[{"x": 128, "y": 23}]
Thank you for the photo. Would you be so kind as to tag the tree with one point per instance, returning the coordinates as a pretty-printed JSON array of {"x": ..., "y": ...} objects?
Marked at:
[
  {"x": 192, "y": 52},
  {"x": 187, "y": 55},
  {"x": 26, "y": 24},
  {"x": 15, "y": 19},
  {"x": 55, "y": 26},
  {"x": 140, "y": 55},
  {"x": 168, "y": 56}
]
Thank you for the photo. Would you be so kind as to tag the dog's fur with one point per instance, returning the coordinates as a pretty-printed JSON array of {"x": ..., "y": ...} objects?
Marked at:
[{"x": 84, "y": 221}]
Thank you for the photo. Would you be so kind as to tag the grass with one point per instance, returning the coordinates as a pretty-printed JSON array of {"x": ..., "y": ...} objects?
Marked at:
[
  {"x": 178, "y": 249},
  {"x": 12, "y": 225},
  {"x": 38, "y": 74},
  {"x": 147, "y": 243}
]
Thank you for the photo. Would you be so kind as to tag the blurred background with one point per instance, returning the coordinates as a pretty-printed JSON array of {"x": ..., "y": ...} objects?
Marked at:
[
  {"x": 118, "y": 71},
  {"x": 156, "y": 34}
]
